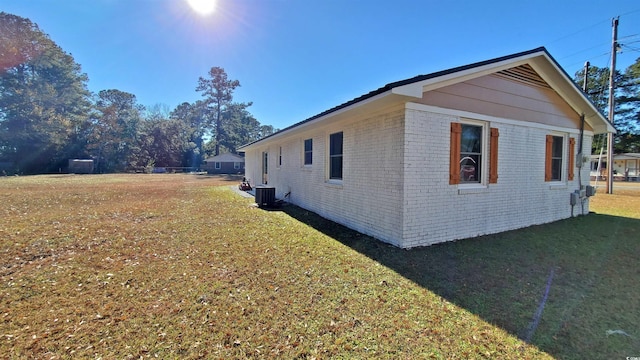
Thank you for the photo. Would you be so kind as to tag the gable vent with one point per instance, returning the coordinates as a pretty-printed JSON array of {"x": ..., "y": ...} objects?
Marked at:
[{"x": 524, "y": 73}]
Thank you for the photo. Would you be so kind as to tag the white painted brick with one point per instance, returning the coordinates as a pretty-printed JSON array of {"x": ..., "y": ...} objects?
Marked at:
[{"x": 396, "y": 179}]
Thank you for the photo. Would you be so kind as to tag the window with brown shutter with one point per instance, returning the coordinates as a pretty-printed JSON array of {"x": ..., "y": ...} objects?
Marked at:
[
  {"x": 454, "y": 161},
  {"x": 493, "y": 156},
  {"x": 553, "y": 158},
  {"x": 572, "y": 145},
  {"x": 470, "y": 143},
  {"x": 547, "y": 158}
]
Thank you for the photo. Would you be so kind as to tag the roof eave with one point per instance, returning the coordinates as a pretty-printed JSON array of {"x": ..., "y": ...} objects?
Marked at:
[
  {"x": 538, "y": 58},
  {"x": 334, "y": 112},
  {"x": 564, "y": 85},
  {"x": 572, "y": 94}
]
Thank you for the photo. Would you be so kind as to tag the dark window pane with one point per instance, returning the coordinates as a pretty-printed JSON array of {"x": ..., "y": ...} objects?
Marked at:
[
  {"x": 556, "y": 151},
  {"x": 335, "y": 144},
  {"x": 308, "y": 151},
  {"x": 556, "y": 169},
  {"x": 336, "y": 167},
  {"x": 471, "y": 141},
  {"x": 470, "y": 168},
  {"x": 556, "y": 158},
  {"x": 470, "y": 153},
  {"x": 335, "y": 156}
]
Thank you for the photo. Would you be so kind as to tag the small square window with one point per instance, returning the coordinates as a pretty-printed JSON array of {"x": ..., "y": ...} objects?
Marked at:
[
  {"x": 556, "y": 158},
  {"x": 335, "y": 156},
  {"x": 308, "y": 151}
]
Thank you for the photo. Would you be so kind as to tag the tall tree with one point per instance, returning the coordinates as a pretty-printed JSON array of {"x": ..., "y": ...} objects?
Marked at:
[
  {"x": 116, "y": 131},
  {"x": 597, "y": 86},
  {"x": 629, "y": 99},
  {"x": 162, "y": 142},
  {"x": 240, "y": 126},
  {"x": 627, "y": 103},
  {"x": 193, "y": 116},
  {"x": 44, "y": 101},
  {"x": 218, "y": 92}
]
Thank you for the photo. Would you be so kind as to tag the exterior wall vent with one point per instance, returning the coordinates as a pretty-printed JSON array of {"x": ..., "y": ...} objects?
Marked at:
[{"x": 526, "y": 74}]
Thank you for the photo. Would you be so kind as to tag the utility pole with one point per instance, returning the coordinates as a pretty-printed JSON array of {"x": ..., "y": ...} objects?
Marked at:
[
  {"x": 586, "y": 76},
  {"x": 612, "y": 72}
]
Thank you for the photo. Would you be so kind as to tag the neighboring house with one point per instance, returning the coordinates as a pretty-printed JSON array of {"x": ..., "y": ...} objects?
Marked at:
[
  {"x": 224, "y": 164},
  {"x": 473, "y": 150},
  {"x": 625, "y": 166}
]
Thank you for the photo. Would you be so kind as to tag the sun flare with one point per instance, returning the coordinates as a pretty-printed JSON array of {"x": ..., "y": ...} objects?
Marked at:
[{"x": 203, "y": 7}]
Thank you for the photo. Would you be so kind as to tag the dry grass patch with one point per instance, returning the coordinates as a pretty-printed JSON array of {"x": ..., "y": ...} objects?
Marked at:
[{"x": 179, "y": 266}]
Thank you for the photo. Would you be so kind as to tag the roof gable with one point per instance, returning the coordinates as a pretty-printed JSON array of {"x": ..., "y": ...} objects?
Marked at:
[
  {"x": 517, "y": 93},
  {"x": 228, "y": 157}
]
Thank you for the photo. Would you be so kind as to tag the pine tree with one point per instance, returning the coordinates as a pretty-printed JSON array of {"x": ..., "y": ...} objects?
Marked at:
[{"x": 44, "y": 101}]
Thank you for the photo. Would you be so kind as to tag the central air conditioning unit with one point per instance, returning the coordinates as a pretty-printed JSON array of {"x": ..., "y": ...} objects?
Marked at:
[{"x": 265, "y": 196}]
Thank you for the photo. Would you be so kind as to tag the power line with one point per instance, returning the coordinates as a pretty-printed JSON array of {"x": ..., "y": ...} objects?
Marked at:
[
  {"x": 577, "y": 32},
  {"x": 630, "y": 37},
  {"x": 631, "y": 48},
  {"x": 631, "y": 12}
]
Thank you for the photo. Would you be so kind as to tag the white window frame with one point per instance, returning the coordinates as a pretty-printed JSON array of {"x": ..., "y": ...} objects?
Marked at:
[
  {"x": 217, "y": 165},
  {"x": 484, "y": 154},
  {"x": 304, "y": 152},
  {"x": 328, "y": 165},
  {"x": 564, "y": 161}
]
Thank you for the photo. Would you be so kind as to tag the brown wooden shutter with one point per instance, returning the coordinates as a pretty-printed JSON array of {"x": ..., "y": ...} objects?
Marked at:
[
  {"x": 547, "y": 158},
  {"x": 493, "y": 156},
  {"x": 454, "y": 161},
  {"x": 572, "y": 155}
]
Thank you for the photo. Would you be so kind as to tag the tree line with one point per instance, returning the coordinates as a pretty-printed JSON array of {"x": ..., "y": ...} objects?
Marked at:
[
  {"x": 627, "y": 104},
  {"x": 48, "y": 115}
]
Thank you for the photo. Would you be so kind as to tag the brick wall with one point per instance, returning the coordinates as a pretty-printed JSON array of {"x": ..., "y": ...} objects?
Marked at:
[
  {"x": 436, "y": 211},
  {"x": 395, "y": 183},
  {"x": 369, "y": 198}
]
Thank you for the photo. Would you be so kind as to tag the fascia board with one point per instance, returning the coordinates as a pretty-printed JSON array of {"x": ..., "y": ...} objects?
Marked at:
[
  {"x": 416, "y": 89},
  {"x": 565, "y": 87},
  {"x": 305, "y": 125}
]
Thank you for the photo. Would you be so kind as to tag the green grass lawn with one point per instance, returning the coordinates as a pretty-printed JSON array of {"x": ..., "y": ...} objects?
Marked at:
[{"x": 180, "y": 266}]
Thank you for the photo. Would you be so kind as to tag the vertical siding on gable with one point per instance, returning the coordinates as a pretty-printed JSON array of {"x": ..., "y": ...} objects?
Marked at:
[{"x": 497, "y": 96}]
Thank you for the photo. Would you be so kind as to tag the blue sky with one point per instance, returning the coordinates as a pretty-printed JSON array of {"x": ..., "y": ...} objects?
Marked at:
[{"x": 297, "y": 58}]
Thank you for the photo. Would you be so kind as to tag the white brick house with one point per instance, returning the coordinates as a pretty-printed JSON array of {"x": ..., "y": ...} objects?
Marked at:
[{"x": 474, "y": 150}]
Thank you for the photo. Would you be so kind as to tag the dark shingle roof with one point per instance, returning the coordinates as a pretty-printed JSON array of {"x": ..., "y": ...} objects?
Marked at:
[{"x": 412, "y": 80}]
